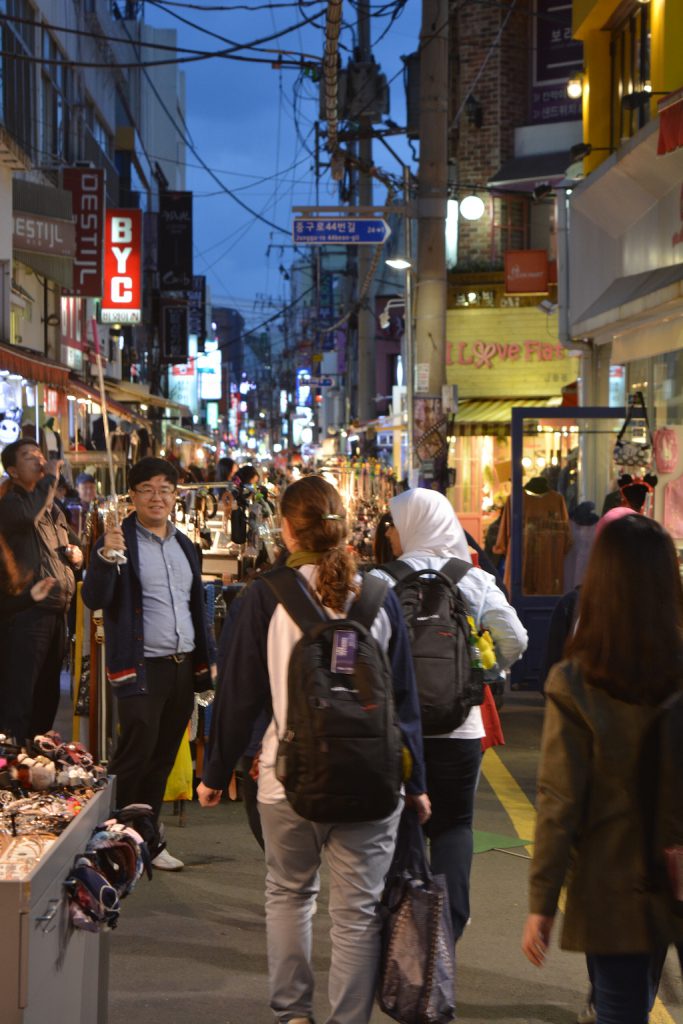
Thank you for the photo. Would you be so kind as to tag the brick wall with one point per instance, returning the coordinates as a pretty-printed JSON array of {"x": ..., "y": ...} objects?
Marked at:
[{"x": 502, "y": 92}]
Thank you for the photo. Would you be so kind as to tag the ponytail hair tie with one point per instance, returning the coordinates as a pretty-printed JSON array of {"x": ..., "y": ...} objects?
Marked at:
[{"x": 334, "y": 517}]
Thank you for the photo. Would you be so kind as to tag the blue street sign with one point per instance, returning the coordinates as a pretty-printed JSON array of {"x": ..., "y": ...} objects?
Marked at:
[{"x": 340, "y": 231}]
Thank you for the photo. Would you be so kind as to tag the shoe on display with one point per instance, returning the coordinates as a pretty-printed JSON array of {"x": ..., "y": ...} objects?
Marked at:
[
  {"x": 164, "y": 861},
  {"x": 587, "y": 1015}
]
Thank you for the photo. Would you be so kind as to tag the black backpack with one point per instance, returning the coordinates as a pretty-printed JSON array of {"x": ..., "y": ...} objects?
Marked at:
[
  {"x": 340, "y": 755},
  {"x": 448, "y": 684}
]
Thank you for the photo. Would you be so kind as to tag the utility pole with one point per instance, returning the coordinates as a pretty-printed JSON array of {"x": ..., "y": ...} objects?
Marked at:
[
  {"x": 366, "y": 319},
  {"x": 432, "y": 192}
]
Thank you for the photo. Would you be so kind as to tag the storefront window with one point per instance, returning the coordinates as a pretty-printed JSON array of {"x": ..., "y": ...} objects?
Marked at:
[
  {"x": 630, "y": 50},
  {"x": 17, "y": 96},
  {"x": 567, "y": 479}
]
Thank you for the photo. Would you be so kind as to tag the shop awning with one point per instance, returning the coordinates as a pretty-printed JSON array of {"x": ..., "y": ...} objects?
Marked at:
[
  {"x": 188, "y": 435},
  {"x": 626, "y": 290},
  {"x": 524, "y": 173},
  {"x": 82, "y": 390},
  {"x": 126, "y": 392},
  {"x": 33, "y": 366},
  {"x": 477, "y": 415},
  {"x": 670, "y": 123}
]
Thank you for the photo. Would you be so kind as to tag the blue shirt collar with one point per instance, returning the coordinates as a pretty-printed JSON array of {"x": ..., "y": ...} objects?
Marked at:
[{"x": 171, "y": 532}]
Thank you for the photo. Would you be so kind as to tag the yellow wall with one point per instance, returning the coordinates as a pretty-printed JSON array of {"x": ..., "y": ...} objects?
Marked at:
[
  {"x": 666, "y": 72},
  {"x": 506, "y": 353}
]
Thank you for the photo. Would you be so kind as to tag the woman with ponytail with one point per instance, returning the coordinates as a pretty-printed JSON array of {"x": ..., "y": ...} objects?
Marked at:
[{"x": 253, "y": 678}]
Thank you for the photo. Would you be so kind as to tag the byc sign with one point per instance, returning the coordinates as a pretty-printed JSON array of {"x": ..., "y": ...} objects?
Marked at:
[{"x": 122, "y": 297}]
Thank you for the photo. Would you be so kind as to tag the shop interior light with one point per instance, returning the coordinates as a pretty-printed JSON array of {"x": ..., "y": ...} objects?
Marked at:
[
  {"x": 472, "y": 208},
  {"x": 71, "y": 398},
  {"x": 398, "y": 263},
  {"x": 575, "y": 86},
  {"x": 143, "y": 407}
]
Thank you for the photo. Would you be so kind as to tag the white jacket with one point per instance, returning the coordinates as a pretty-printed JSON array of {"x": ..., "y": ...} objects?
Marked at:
[{"x": 431, "y": 534}]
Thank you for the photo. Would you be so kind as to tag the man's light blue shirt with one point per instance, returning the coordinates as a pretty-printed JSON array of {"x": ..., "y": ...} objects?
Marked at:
[{"x": 166, "y": 579}]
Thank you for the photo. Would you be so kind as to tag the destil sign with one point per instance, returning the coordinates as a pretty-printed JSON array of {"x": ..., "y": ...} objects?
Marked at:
[{"x": 122, "y": 297}]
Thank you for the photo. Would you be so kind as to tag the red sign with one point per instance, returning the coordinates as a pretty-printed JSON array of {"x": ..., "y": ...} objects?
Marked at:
[
  {"x": 51, "y": 402},
  {"x": 122, "y": 295},
  {"x": 526, "y": 272},
  {"x": 87, "y": 191},
  {"x": 670, "y": 123}
]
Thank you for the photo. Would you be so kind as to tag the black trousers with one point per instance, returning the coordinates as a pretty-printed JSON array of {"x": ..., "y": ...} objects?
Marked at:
[
  {"x": 151, "y": 726},
  {"x": 32, "y": 644}
]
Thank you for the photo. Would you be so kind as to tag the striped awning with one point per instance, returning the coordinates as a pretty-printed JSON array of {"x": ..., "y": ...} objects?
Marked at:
[
  {"x": 33, "y": 366},
  {"x": 188, "y": 435},
  {"x": 476, "y": 415},
  {"x": 83, "y": 390}
]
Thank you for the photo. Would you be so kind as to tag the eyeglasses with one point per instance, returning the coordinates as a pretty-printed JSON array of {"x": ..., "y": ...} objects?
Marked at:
[{"x": 149, "y": 492}]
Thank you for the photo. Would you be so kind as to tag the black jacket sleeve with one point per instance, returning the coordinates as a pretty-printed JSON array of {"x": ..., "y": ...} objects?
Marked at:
[
  {"x": 243, "y": 684},
  {"x": 101, "y": 578},
  {"x": 20, "y": 508},
  {"x": 405, "y": 693},
  {"x": 561, "y": 624}
]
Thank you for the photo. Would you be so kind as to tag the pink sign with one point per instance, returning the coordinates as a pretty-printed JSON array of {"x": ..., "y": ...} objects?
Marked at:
[
  {"x": 666, "y": 450},
  {"x": 483, "y": 355}
]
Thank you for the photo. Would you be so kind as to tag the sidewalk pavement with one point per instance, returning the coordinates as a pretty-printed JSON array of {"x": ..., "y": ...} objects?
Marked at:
[{"x": 190, "y": 946}]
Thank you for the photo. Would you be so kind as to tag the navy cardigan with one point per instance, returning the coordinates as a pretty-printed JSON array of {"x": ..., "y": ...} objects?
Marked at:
[
  {"x": 243, "y": 700},
  {"x": 119, "y": 595}
]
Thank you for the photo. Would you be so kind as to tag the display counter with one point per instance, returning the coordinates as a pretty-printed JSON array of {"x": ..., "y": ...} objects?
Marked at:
[{"x": 48, "y": 970}]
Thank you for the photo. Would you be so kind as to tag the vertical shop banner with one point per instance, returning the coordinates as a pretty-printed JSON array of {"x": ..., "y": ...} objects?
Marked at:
[
  {"x": 86, "y": 185},
  {"x": 175, "y": 241},
  {"x": 557, "y": 56},
  {"x": 122, "y": 293},
  {"x": 174, "y": 340},
  {"x": 196, "y": 314}
]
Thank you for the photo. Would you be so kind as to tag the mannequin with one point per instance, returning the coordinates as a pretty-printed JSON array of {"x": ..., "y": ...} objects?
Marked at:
[{"x": 546, "y": 539}]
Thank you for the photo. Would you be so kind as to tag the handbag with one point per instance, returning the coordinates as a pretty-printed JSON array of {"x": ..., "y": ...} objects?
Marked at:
[
  {"x": 634, "y": 453},
  {"x": 417, "y": 966}
]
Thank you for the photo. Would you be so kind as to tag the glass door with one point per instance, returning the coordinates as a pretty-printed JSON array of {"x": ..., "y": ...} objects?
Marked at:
[{"x": 563, "y": 475}]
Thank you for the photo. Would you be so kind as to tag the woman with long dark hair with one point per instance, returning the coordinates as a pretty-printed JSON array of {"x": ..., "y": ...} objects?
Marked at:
[
  {"x": 253, "y": 678},
  {"x": 624, "y": 660}
]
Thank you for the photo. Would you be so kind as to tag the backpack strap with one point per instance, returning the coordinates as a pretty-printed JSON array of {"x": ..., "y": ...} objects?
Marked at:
[
  {"x": 455, "y": 569},
  {"x": 397, "y": 569},
  {"x": 364, "y": 609},
  {"x": 292, "y": 592}
]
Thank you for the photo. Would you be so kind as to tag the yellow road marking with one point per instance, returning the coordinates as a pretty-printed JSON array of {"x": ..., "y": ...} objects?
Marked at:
[{"x": 521, "y": 813}]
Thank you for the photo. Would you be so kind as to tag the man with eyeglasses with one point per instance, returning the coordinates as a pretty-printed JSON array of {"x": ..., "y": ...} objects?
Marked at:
[{"x": 158, "y": 645}]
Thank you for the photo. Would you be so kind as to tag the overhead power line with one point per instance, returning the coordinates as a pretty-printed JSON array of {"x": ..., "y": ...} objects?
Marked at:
[{"x": 193, "y": 149}]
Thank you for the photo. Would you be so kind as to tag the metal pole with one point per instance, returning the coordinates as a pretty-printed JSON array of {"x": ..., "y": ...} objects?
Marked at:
[
  {"x": 408, "y": 330},
  {"x": 430, "y": 319},
  {"x": 366, "y": 319},
  {"x": 119, "y": 555}
]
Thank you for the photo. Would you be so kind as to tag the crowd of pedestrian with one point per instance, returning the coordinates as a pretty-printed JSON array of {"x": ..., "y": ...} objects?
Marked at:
[{"x": 615, "y": 672}]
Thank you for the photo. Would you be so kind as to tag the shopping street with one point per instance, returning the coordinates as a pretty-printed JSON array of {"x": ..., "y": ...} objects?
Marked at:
[{"x": 190, "y": 946}]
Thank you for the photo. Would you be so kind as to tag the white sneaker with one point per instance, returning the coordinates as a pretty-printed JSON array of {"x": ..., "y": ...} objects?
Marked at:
[
  {"x": 164, "y": 861},
  {"x": 587, "y": 1015}
]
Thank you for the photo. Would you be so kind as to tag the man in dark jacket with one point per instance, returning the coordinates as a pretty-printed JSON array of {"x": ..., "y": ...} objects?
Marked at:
[
  {"x": 33, "y": 640},
  {"x": 158, "y": 646}
]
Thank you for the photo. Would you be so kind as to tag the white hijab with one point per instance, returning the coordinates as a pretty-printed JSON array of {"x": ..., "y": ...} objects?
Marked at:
[{"x": 428, "y": 526}]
